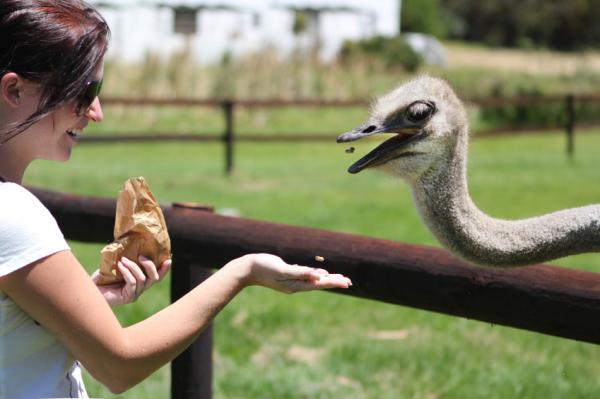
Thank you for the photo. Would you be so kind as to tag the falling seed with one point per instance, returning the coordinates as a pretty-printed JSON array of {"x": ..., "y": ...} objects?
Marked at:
[
  {"x": 319, "y": 259},
  {"x": 350, "y": 150}
]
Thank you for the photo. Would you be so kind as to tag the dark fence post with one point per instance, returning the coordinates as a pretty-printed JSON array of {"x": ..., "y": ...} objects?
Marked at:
[
  {"x": 191, "y": 372},
  {"x": 570, "y": 124},
  {"x": 228, "y": 137}
]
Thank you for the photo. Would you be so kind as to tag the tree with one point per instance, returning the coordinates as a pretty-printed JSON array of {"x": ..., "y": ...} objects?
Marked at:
[
  {"x": 559, "y": 24},
  {"x": 422, "y": 16}
]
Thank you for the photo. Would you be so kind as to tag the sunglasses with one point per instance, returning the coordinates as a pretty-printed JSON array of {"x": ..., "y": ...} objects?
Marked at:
[{"x": 92, "y": 90}]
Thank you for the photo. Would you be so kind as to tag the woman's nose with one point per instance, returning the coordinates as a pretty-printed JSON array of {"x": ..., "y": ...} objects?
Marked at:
[{"x": 94, "y": 111}]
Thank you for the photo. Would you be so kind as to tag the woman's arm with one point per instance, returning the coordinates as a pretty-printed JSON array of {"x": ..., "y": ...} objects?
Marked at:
[{"x": 58, "y": 293}]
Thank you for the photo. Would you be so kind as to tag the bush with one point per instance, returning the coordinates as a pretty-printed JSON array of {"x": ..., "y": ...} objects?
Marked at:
[
  {"x": 548, "y": 114},
  {"x": 545, "y": 114},
  {"x": 563, "y": 25},
  {"x": 392, "y": 51},
  {"x": 423, "y": 16}
]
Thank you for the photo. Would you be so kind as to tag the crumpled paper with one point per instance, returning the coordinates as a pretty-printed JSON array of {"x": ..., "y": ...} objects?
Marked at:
[{"x": 140, "y": 229}]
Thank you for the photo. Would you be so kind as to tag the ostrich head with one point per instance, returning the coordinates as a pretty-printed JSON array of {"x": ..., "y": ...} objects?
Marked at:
[{"x": 427, "y": 120}]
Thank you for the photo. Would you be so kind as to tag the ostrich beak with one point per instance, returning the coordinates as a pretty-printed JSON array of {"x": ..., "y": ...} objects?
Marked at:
[
  {"x": 405, "y": 132},
  {"x": 360, "y": 132}
]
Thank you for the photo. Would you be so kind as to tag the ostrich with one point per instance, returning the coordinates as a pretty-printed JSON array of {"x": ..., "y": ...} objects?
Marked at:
[{"x": 429, "y": 151}]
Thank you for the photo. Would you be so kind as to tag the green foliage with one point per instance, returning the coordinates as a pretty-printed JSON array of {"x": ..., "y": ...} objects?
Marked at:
[
  {"x": 552, "y": 114},
  {"x": 546, "y": 114},
  {"x": 423, "y": 16},
  {"x": 392, "y": 51},
  {"x": 563, "y": 24}
]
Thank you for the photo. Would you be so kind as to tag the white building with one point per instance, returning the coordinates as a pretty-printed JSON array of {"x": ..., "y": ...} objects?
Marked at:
[{"x": 238, "y": 26}]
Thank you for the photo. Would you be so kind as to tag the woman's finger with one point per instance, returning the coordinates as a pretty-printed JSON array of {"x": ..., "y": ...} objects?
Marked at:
[
  {"x": 135, "y": 270},
  {"x": 304, "y": 272},
  {"x": 334, "y": 281},
  {"x": 325, "y": 282},
  {"x": 164, "y": 269},
  {"x": 139, "y": 275},
  {"x": 130, "y": 281},
  {"x": 151, "y": 272}
]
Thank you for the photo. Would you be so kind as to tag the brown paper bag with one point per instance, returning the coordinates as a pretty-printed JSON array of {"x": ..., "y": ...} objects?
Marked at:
[{"x": 140, "y": 229}]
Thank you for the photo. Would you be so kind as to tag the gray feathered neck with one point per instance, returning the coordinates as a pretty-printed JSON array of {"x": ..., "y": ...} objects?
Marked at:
[{"x": 442, "y": 198}]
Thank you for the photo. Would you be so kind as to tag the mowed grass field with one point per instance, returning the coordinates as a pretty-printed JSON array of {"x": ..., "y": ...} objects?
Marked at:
[{"x": 323, "y": 345}]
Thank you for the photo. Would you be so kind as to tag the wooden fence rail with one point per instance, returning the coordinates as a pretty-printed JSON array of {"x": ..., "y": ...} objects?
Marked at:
[
  {"x": 547, "y": 299},
  {"x": 229, "y": 137}
]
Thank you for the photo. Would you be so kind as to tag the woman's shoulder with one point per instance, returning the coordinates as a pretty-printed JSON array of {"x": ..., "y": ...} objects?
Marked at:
[
  {"x": 14, "y": 196},
  {"x": 14, "y": 188},
  {"x": 28, "y": 231}
]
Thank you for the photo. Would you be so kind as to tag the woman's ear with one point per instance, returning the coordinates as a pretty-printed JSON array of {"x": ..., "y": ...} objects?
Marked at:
[{"x": 11, "y": 87}]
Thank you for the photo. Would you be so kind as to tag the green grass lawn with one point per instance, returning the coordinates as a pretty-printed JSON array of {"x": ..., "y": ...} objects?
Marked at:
[{"x": 322, "y": 345}]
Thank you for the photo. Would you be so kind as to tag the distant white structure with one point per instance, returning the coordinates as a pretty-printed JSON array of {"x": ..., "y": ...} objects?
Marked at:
[
  {"x": 217, "y": 26},
  {"x": 430, "y": 48}
]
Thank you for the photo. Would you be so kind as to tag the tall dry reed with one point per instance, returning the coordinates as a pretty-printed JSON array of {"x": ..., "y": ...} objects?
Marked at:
[{"x": 266, "y": 74}]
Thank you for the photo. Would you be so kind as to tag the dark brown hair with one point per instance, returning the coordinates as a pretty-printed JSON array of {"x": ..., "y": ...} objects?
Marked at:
[{"x": 56, "y": 43}]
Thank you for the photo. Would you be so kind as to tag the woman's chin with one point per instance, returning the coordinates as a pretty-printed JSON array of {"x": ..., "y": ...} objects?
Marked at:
[
  {"x": 65, "y": 156},
  {"x": 64, "y": 150},
  {"x": 61, "y": 155}
]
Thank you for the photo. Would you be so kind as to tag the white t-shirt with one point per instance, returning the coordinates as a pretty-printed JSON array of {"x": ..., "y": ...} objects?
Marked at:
[{"x": 33, "y": 363}]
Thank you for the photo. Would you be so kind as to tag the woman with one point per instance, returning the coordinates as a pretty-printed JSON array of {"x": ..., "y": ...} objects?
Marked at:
[{"x": 51, "y": 312}]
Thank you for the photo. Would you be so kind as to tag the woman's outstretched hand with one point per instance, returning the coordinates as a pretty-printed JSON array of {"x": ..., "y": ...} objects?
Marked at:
[
  {"x": 136, "y": 280},
  {"x": 273, "y": 272}
]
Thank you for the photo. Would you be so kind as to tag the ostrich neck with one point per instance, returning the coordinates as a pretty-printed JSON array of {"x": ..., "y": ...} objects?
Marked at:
[{"x": 443, "y": 200}]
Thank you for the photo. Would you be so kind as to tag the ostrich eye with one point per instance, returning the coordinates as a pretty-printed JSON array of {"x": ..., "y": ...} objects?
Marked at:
[{"x": 419, "y": 111}]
